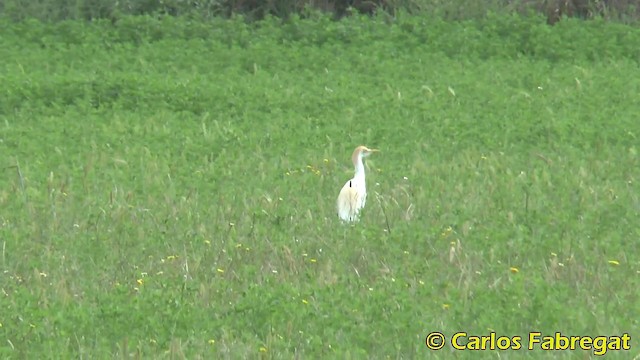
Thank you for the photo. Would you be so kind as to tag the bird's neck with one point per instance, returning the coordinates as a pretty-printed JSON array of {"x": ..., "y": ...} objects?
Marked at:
[{"x": 359, "y": 165}]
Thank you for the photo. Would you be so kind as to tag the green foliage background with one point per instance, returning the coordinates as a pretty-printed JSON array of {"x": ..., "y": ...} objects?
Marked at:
[
  {"x": 553, "y": 10},
  {"x": 168, "y": 185}
]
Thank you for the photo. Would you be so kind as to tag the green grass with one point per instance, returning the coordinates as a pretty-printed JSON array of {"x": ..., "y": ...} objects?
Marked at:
[{"x": 168, "y": 187}]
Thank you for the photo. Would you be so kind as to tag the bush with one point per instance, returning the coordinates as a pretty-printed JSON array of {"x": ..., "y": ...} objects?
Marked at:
[{"x": 552, "y": 10}]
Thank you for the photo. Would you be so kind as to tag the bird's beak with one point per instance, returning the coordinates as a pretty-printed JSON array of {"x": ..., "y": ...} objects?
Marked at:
[{"x": 374, "y": 150}]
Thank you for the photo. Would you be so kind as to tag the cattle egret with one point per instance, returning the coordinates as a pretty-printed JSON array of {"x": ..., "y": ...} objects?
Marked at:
[{"x": 354, "y": 193}]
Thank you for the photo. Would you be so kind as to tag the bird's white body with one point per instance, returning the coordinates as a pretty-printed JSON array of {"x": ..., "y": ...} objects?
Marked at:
[{"x": 353, "y": 195}]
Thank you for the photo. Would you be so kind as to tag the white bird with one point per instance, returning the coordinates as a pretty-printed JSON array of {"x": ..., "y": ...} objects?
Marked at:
[{"x": 354, "y": 193}]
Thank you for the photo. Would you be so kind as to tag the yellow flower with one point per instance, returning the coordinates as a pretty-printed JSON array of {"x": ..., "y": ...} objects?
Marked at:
[
  {"x": 447, "y": 232},
  {"x": 221, "y": 271},
  {"x": 614, "y": 262},
  {"x": 263, "y": 349},
  {"x": 305, "y": 301},
  {"x": 514, "y": 270},
  {"x": 211, "y": 341},
  {"x": 139, "y": 281},
  {"x": 445, "y": 306}
]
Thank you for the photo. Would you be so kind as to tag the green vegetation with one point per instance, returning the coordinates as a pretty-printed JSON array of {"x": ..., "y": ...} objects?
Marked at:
[
  {"x": 554, "y": 10},
  {"x": 168, "y": 186}
]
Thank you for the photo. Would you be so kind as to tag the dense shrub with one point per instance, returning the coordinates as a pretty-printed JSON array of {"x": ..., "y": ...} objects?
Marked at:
[{"x": 552, "y": 10}]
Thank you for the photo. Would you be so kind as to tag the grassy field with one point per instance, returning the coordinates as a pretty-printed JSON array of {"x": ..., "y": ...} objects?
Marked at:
[{"x": 168, "y": 187}]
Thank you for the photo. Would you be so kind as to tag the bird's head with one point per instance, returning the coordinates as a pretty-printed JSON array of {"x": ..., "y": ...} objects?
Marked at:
[
  {"x": 362, "y": 152},
  {"x": 365, "y": 151}
]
